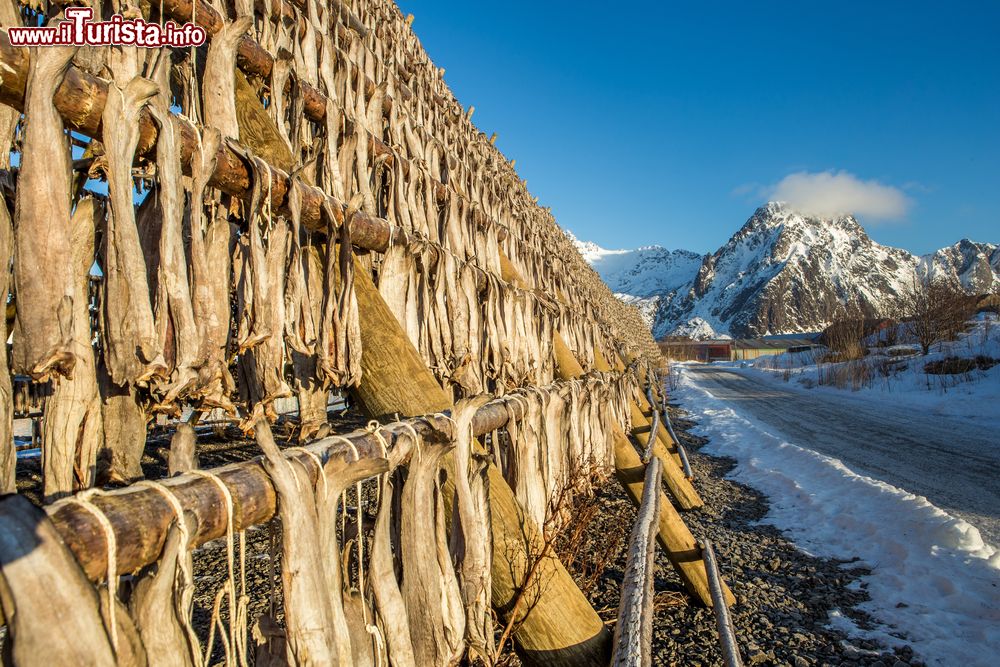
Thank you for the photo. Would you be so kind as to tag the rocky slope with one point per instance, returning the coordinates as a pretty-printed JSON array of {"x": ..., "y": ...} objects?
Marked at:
[{"x": 782, "y": 272}]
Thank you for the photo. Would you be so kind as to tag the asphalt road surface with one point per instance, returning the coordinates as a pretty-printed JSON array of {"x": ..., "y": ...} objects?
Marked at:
[{"x": 953, "y": 462}]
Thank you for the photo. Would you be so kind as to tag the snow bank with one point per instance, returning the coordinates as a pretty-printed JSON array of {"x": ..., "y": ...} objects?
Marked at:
[
  {"x": 899, "y": 378},
  {"x": 934, "y": 581}
]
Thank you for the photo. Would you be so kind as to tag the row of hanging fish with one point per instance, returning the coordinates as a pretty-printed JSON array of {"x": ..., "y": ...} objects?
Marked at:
[
  {"x": 412, "y": 589},
  {"x": 214, "y": 302},
  {"x": 563, "y": 442},
  {"x": 434, "y": 149},
  {"x": 195, "y": 284}
]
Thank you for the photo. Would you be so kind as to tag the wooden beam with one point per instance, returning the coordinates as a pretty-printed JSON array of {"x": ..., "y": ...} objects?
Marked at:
[{"x": 141, "y": 516}]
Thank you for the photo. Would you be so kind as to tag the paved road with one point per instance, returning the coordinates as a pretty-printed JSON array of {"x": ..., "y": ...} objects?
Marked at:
[{"x": 954, "y": 462}]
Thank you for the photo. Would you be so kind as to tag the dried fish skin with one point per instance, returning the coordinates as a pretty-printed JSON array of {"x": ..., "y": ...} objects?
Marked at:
[
  {"x": 72, "y": 423},
  {"x": 219, "y": 85},
  {"x": 161, "y": 623},
  {"x": 130, "y": 340},
  {"x": 471, "y": 544},
  {"x": 183, "y": 455},
  {"x": 310, "y": 634},
  {"x": 42, "y": 587},
  {"x": 42, "y": 232},
  {"x": 177, "y": 332},
  {"x": 425, "y": 585},
  {"x": 385, "y": 586}
]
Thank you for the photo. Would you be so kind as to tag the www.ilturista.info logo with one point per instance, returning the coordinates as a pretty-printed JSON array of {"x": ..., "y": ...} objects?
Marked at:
[{"x": 79, "y": 30}]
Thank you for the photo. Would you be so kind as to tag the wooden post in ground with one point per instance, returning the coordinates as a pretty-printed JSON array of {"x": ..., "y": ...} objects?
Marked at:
[
  {"x": 680, "y": 486},
  {"x": 561, "y": 627},
  {"x": 673, "y": 536},
  {"x": 664, "y": 448},
  {"x": 643, "y": 411}
]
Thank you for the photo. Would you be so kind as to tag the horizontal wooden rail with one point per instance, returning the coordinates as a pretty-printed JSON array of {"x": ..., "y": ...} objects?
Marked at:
[{"x": 141, "y": 515}]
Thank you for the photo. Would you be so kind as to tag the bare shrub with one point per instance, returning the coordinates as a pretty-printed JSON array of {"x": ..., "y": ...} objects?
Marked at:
[
  {"x": 959, "y": 365},
  {"x": 936, "y": 311},
  {"x": 845, "y": 336}
]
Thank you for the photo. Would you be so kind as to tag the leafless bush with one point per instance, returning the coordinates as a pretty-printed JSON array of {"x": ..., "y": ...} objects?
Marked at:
[
  {"x": 845, "y": 336},
  {"x": 585, "y": 554},
  {"x": 856, "y": 374},
  {"x": 960, "y": 365},
  {"x": 569, "y": 501},
  {"x": 936, "y": 311}
]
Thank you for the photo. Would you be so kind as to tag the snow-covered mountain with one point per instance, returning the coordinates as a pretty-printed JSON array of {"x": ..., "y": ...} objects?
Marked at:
[{"x": 782, "y": 272}]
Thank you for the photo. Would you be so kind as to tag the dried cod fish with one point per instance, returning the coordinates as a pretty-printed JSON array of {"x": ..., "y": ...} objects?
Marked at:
[
  {"x": 472, "y": 547},
  {"x": 72, "y": 425},
  {"x": 425, "y": 581},
  {"x": 129, "y": 331},
  {"x": 42, "y": 229},
  {"x": 211, "y": 251},
  {"x": 162, "y": 620},
  {"x": 177, "y": 332},
  {"x": 42, "y": 588},
  {"x": 219, "y": 84}
]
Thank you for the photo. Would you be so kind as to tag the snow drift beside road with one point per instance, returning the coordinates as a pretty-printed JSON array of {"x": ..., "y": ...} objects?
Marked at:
[{"x": 933, "y": 578}]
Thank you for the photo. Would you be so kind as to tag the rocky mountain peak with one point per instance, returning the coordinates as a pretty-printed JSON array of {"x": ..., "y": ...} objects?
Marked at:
[{"x": 783, "y": 271}]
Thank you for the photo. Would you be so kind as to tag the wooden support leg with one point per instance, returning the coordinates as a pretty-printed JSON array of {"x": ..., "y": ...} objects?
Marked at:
[
  {"x": 674, "y": 536},
  {"x": 680, "y": 486},
  {"x": 561, "y": 627},
  {"x": 664, "y": 448}
]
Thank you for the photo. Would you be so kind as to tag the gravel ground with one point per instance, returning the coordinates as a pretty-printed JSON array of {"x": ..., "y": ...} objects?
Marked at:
[{"x": 784, "y": 596}]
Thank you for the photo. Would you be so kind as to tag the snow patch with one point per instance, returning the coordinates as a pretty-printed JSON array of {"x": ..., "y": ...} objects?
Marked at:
[{"x": 933, "y": 578}]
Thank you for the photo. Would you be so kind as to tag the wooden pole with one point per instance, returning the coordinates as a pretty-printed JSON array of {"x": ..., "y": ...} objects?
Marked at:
[
  {"x": 673, "y": 536},
  {"x": 140, "y": 515},
  {"x": 646, "y": 409},
  {"x": 687, "y": 497},
  {"x": 561, "y": 627}
]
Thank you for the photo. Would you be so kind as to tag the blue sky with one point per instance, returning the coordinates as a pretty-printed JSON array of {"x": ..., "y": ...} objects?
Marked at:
[{"x": 668, "y": 123}]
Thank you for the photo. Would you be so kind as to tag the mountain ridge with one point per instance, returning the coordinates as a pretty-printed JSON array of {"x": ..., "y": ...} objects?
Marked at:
[{"x": 781, "y": 272}]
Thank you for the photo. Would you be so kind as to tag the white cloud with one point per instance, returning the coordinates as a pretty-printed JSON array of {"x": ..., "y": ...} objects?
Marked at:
[{"x": 829, "y": 193}]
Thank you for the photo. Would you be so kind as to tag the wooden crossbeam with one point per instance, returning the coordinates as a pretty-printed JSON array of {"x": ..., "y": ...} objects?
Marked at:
[{"x": 141, "y": 516}]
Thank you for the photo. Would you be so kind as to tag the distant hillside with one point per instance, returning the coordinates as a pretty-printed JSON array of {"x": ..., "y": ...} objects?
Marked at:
[{"x": 782, "y": 272}]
